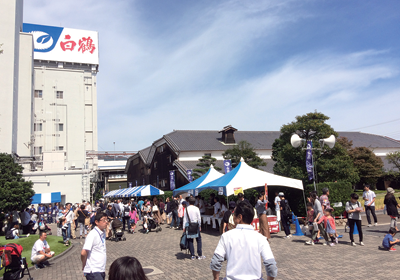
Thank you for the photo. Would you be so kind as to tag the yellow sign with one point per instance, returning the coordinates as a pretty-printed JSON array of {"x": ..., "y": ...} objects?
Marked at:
[{"x": 237, "y": 191}]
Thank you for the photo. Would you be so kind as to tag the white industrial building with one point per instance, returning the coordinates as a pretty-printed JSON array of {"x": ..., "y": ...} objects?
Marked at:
[{"x": 48, "y": 102}]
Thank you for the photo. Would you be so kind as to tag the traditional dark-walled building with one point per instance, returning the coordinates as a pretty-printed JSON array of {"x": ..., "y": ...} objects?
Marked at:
[{"x": 181, "y": 150}]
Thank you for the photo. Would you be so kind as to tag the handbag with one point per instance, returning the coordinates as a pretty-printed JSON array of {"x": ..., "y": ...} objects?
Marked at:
[
  {"x": 87, "y": 219},
  {"x": 184, "y": 243},
  {"x": 155, "y": 208},
  {"x": 193, "y": 227}
]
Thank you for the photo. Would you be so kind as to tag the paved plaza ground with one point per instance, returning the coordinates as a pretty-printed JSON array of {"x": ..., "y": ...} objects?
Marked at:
[{"x": 295, "y": 260}]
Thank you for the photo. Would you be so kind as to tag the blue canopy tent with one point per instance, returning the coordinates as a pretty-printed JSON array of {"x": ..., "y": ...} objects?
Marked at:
[
  {"x": 211, "y": 175},
  {"x": 45, "y": 198},
  {"x": 245, "y": 177},
  {"x": 146, "y": 190},
  {"x": 111, "y": 193}
]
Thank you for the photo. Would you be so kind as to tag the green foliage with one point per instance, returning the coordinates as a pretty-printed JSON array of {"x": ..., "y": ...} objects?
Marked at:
[
  {"x": 331, "y": 164},
  {"x": 368, "y": 165},
  {"x": 394, "y": 158},
  {"x": 204, "y": 165},
  {"x": 15, "y": 192},
  {"x": 243, "y": 150}
]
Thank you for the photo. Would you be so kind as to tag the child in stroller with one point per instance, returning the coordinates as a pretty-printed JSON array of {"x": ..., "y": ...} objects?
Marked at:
[
  {"x": 151, "y": 224},
  {"x": 118, "y": 233}
]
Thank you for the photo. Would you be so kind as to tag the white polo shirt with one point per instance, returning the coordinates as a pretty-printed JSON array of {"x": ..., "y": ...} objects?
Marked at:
[
  {"x": 95, "y": 245},
  {"x": 242, "y": 247},
  {"x": 370, "y": 196}
]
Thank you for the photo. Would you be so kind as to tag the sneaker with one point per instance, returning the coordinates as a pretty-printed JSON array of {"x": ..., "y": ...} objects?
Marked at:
[
  {"x": 193, "y": 258},
  {"x": 201, "y": 257},
  {"x": 290, "y": 236},
  {"x": 147, "y": 231},
  {"x": 37, "y": 267},
  {"x": 332, "y": 244},
  {"x": 353, "y": 244},
  {"x": 369, "y": 225},
  {"x": 287, "y": 237},
  {"x": 392, "y": 249},
  {"x": 375, "y": 224},
  {"x": 325, "y": 243},
  {"x": 310, "y": 242},
  {"x": 361, "y": 243},
  {"x": 336, "y": 240}
]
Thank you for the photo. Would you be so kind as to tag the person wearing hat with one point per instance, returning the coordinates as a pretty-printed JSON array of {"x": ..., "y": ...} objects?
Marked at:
[
  {"x": 262, "y": 215},
  {"x": 227, "y": 220},
  {"x": 391, "y": 207}
]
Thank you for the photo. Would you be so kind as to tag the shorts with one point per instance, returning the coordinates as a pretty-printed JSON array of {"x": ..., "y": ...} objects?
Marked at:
[
  {"x": 37, "y": 258},
  {"x": 169, "y": 215},
  {"x": 310, "y": 223}
]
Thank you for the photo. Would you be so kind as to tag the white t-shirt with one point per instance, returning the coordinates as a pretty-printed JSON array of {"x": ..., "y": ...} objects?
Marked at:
[
  {"x": 370, "y": 196},
  {"x": 201, "y": 206},
  {"x": 69, "y": 216},
  {"x": 39, "y": 246},
  {"x": 217, "y": 206},
  {"x": 88, "y": 208},
  {"x": 95, "y": 244},
  {"x": 242, "y": 247},
  {"x": 277, "y": 200}
]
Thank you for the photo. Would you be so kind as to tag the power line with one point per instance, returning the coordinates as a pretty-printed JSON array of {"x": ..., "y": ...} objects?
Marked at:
[{"x": 375, "y": 124}]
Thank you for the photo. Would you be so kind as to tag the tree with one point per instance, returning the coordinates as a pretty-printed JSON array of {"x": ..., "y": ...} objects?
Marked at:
[
  {"x": 244, "y": 150},
  {"x": 15, "y": 192},
  {"x": 368, "y": 165},
  {"x": 204, "y": 166},
  {"x": 394, "y": 158},
  {"x": 331, "y": 164}
]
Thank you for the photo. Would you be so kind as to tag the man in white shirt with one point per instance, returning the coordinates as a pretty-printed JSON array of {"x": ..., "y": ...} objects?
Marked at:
[
  {"x": 194, "y": 217},
  {"x": 277, "y": 207},
  {"x": 69, "y": 216},
  {"x": 369, "y": 204},
  {"x": 94, "y": 254},
  {"x": 41, "y": 251},
  {"x": 88, "y": 207},
  {"x": 217, "y": 206},
  {"x": 202, "y": 208},
  {"x": 242, "y": 247}
]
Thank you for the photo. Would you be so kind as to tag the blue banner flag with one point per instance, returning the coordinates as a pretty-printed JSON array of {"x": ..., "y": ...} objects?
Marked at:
[
  {"x": 130, "y": 184},
  {"x": 172, "y": 179},
  {"x": 189, "y": 175},
  {"x": 309, "y": 161},
  {"x": 227, "y": 165}
]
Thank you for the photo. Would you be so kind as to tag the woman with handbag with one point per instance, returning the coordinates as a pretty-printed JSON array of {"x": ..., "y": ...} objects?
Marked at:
[
  {"x": 192, "y": 228},
  {"x": 83, "y": 215}
]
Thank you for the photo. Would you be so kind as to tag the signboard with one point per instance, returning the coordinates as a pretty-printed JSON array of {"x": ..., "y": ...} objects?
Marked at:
[
  {"x": 189, "y": 175},
  {"x": 172, "y": 179},
  {"x": 227, "y": 165},
  {"x": 236, "y": 191},
  {"x": 220, "y": 191},
  {"x": 196, "y": 192},
  {"x": 63, "y": 44}
]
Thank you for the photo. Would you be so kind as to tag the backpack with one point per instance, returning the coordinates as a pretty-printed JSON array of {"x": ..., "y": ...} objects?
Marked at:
[
  {"x": 184, "y": 243},
  {"x": 126, "y": 211},
  {"x": 9, "y": 234}
]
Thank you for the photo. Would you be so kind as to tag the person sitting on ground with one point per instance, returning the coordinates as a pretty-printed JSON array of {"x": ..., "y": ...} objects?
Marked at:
[
  {"x": 41, "y": 252},
  {"x": 242, "y": 247},
  {"x": 126, "y": 268},
  {"x": 388, "y": 242},
  {"x": 13, "y": 233},
  {"x": 330, "y": 226}
]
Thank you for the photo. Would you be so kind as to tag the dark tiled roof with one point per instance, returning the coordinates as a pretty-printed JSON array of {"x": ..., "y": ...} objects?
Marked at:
[{"x": 205, "y": 140}]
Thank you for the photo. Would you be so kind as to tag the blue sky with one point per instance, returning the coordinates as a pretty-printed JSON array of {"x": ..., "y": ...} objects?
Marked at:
[{"x": 256, "y": 65}]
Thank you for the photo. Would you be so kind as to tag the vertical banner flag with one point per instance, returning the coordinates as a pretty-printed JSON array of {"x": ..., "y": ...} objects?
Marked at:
[
  {"x": 266, "y": 192},
  {"x": 136, "y": 183},
  {"x": 309, "y": 162},
  {"x": 172, "y": 179},
  {"x": 227, "y": 165},
  {"x": 130, "y": 184},
  {"x": 189, "y": 175}
]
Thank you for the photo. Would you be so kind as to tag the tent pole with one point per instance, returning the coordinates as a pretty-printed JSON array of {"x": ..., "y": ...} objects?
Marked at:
[{"x": 305, "y": 204}]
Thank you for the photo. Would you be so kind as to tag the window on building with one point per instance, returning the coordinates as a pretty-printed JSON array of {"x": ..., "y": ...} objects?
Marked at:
[
  {"x": 161, "y": 149},
  {"x": 155, "y": 165},
  {"x": 38, "y": 93},
  {"x": 37, "y": 127},
  {"x": 60, "y": 94},
  {"x": 208, "y": 154},
  {"x": 60, "y": 127},
  {"x": 60, "y": 148},
  {"x": 38, "y": 150},
  {"x": 169, "y": 159}
]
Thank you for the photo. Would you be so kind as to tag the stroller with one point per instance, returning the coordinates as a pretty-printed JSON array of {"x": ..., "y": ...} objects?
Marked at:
[
  {"x": 152, "y": 224},
  {"x": 14, "y": 264},
  {"x": 118, "y": 233}
]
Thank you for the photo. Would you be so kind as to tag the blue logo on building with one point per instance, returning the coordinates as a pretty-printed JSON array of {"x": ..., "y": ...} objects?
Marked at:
[{"x": 45, "y": 37}]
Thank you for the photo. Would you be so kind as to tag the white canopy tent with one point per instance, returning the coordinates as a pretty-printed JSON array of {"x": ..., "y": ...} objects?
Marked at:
[{"x": 246, "y": 177}]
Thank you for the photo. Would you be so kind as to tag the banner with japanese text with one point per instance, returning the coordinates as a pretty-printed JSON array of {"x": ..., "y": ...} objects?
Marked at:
[
  {"x": 172, "y": 179},
  {"x": 189, "y": 175},
  {"x": 309, "y": 161},
  {"x": 227, "y": 165}
]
